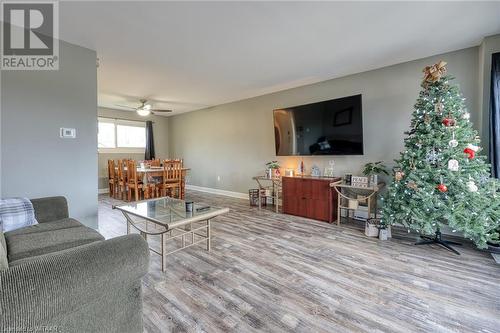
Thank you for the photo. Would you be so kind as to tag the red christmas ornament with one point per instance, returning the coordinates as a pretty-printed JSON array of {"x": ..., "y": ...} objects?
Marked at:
[
  {"x": 448, "y": 122},
  {"x": 442, "y": 188},
  {"x": 471, "y": 153}
]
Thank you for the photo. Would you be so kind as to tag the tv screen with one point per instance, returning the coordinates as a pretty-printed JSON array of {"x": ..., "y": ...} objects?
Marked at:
[{"x": 333, "y": 127}]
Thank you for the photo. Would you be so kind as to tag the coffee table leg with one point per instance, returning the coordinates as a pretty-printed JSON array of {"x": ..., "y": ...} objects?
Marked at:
[
  {"x": 209, "y": 232},
  {"x": 192, "y": 233},
  {"x": 163, "y": 246}
]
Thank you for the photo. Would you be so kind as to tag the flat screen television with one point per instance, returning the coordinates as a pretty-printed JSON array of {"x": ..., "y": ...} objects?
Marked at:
[{"x": 333, "y": 127}]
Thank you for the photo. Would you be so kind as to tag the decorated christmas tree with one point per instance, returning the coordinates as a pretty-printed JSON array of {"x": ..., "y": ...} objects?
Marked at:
[{"x": 441, "y": 178}]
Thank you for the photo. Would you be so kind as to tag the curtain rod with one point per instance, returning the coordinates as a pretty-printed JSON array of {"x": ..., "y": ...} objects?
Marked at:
[{"x": 114, "y": 118}]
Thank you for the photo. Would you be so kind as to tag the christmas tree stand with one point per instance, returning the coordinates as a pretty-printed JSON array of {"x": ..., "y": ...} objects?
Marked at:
[{"x": 437, "y": 239}]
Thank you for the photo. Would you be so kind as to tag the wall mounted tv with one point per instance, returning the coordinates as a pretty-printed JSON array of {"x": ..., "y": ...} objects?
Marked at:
[{"x": 333, "y": 127}]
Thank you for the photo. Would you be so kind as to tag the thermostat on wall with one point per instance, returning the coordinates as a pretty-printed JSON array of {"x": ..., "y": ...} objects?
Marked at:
[{"x": 67, "y": 133}]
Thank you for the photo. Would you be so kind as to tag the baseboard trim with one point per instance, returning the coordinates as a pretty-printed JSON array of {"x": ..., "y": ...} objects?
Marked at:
[
  {"x": 102, "y": 190},
  {"x": 231, "y": 194}
]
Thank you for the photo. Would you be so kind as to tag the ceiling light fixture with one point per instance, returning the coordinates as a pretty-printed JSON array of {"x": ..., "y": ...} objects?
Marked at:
[{"x": 143, "y": 112}]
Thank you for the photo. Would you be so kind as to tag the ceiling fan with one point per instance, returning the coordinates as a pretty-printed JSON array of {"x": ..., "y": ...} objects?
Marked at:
[{"x": 145, "y": 109}]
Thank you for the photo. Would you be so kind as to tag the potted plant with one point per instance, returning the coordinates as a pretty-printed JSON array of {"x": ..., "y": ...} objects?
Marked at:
[
  {"x": 373, "y": 170},
  {"x": 273, "y": 168}
]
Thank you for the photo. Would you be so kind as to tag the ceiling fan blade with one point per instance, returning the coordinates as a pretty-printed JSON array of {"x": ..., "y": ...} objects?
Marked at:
[
  {"x": 154, "y": 110},
  {"x": 126, "y": 106}
]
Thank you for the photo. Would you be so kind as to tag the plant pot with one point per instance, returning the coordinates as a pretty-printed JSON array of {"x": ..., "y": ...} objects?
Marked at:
[
  {"x": 277, "y": 173},
  {"x": 383, "y": 234}
]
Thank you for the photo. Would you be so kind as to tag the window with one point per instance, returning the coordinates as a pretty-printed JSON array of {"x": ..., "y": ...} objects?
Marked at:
[
  {"x": 116, "y": 136},
  {"x": 106, "y": 135},
  {"x": 131, "y": 136}
]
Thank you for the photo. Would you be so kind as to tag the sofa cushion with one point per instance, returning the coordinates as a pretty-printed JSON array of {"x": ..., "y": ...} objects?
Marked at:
[
  {"x": 47, "y": 226},
  {"x": 50, "y": 209},
  {"x": 30, "y": 244}
]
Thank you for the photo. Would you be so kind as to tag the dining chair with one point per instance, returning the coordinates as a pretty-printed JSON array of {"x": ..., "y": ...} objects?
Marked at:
[
  {"x": 155, "y": 163},
  {"x": 134, "y": 183},
  {"x": 121, "y": 171},
  {"x": 112, "y": 178},
  {"x": 172, "y": 178}
]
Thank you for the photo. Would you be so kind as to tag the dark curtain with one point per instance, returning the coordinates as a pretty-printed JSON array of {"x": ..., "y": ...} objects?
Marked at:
[
  {"x": 495, "y": 116},
  {"x": 150, "y": 145}
]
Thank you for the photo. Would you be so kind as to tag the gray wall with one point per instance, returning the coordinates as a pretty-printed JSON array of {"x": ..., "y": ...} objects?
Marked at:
[
  {"x": 35, "y": 104},
  {"x": 160, "y": 134},
  {"x": 235, "y": 140}
]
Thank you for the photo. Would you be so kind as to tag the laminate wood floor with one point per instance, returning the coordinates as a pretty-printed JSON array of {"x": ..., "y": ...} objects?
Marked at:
[{"x": 270, "y": 272}]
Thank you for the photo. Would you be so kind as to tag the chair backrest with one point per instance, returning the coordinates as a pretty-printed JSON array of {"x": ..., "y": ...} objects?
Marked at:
[
  {"x": 155, "y": 163},
  {"x": 111, "y": 169},
  {"x": 172, "y": 170},
  {"x": 131, "y": 172},
  {"x": 121, "y": 172}
]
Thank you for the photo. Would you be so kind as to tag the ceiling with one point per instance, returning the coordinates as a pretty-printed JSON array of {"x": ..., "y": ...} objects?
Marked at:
[{"x": 196, "y": 54}]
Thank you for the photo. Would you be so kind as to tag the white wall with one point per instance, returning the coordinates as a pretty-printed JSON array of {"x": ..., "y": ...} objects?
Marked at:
[
  {"x": 35, "y": 104},
  {"x": 234, "y": 141}
]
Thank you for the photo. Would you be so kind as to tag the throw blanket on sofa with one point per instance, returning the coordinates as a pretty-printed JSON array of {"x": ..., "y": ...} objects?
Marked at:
[{"x": 16, "y": 213}]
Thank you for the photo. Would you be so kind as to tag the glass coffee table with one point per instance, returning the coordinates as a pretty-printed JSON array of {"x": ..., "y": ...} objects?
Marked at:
[{"x": 168, "y": 218}]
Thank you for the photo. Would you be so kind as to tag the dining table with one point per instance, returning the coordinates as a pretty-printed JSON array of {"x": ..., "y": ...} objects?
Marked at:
[{"x": 147, "y": 172}]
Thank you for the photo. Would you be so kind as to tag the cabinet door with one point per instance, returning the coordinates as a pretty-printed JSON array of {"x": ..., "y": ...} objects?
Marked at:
[
  {"x": 290, "y": 205},
  {"x": 305, "y": 188},
  {"x": 318, "y": 209},
  {"x": 320, "y": 189},
  {"x": 290, "y": 186}
]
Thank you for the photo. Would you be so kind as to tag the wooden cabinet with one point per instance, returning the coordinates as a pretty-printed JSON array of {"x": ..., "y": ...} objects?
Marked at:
[{"x": 310, "y": 197}]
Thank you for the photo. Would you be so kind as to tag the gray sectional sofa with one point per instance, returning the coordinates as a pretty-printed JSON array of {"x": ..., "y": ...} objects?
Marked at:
[{"x": 64, "y": 277}]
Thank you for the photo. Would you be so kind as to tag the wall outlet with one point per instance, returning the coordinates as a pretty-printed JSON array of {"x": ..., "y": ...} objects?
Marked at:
[{"x": 218, "y": 178}]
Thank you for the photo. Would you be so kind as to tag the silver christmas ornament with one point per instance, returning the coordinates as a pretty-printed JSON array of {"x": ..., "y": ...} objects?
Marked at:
[
  {"x": 472, "y": 186},
  {"x": 453, "y": 165}
]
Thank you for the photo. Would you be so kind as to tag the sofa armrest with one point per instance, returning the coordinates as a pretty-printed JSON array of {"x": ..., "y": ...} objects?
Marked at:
[
  {"x": 46, "y": 291},
  {"x": 50, "y": 209}
]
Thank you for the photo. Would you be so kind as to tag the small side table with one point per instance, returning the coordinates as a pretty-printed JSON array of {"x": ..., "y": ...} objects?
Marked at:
[
  {"x": 275, "y": 186},
  {"x": 369, "y": 195}
]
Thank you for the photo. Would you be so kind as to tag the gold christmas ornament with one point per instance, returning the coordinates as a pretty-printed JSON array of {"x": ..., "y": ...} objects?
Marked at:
[
  {"x": 438, "y": 108},
  {"x": 427, "y": 119},
  {"x": 411, "y": 184},
  {"x": 412, "y": 164},
  {"x": 435, "y": 72},
  {"x": 398, "y": 175}
]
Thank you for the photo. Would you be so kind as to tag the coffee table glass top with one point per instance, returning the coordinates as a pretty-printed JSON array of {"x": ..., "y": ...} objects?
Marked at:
[{"x": 168, "y": 210}]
